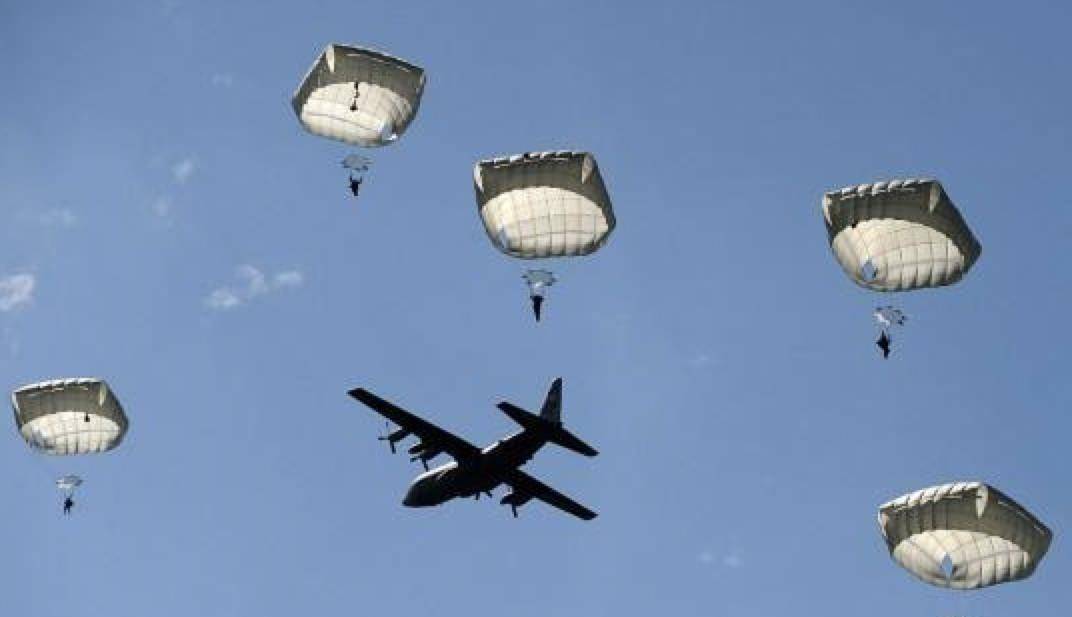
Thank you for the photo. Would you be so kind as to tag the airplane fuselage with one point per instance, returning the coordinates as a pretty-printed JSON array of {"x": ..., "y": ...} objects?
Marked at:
[{"x": 472, "y": 477}]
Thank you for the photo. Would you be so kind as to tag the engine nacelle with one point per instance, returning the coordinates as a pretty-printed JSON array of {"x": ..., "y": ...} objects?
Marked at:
[{"x": 424, "y": 453}]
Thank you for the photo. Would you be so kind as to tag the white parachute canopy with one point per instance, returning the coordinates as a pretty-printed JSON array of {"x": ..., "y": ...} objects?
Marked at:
[
  {"x": 538, "y": 281},
  {"x": 544, "y": 204},
  {"x": 899, "y": 235},
  {"x": 69, "y": 416},
  {"x": 359, "y": 96},
  {"x": 964, "y": 535},
  {"x": 68, "y": 483}
]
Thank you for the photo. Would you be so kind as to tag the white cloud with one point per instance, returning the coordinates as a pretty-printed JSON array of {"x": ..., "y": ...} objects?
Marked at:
[
  {"x": 254, "y": 283},
  {"x": 11, "y": 342},
  {"x": 16, "y": 291},
  {"x": 700, "y": 360},
  {"x": 222, "y": 299},
  {"x": 57, "y": 217},
  {"x": 731, "y": 559},
  {"x": 162, "y": 206},
  {"x": 223, "y": 79},
  {"x": 290, "y": 278},
  {"x": 182, "y": 170}
]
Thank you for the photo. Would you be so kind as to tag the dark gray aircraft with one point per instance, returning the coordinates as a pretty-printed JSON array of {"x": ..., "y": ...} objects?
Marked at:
[{"x": 474, "y": 470}]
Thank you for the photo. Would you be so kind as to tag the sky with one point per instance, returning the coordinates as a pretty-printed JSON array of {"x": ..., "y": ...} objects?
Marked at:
[{"x": 166, "y": 224}]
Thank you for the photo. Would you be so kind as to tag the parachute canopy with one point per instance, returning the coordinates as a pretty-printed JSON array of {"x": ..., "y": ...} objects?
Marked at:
[
  {"x": 964, "y": 535},
  {"x": 544, "y": 204},
  {"x": 899, "y": 235},
  {"x": 538, "y": 281},
  {"x": 359, "y": 96},
  {"x": 69, "y": 416}
]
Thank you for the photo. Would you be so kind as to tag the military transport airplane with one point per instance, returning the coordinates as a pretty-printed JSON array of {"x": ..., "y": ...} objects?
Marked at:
[{"x": 479, "y": 470}]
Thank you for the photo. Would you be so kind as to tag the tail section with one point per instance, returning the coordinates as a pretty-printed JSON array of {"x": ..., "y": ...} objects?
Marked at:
[
  {"x": 552, "y": 405},
  {"x": 549, "y": 423}
]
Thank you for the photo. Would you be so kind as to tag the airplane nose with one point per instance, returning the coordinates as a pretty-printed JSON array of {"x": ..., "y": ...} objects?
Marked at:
[{"x": 412, "y": 499}]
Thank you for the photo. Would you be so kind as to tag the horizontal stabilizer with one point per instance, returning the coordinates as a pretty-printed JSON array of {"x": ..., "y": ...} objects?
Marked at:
[
  {"x": 526, "y": 419},
  {"x": 569, "y": 441},
  {"x": 552, "y": 432}
]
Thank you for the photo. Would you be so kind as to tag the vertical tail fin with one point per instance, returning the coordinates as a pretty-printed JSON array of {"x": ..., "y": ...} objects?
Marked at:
[
  {"x": 548, "y": 425},
  {"x": 552, "y": 405}
]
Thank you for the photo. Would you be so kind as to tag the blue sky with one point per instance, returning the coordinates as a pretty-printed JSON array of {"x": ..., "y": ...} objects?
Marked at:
[{"x": 713, "y": 351}]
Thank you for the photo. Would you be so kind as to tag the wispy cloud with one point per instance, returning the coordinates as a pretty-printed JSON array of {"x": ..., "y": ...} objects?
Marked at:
[
  {"x": 10, "y": 341},
  {"x": 225, "y": 80},
  {"x": 57, "y": 217},
  {"x": 183, "y": 170},
  {"x": 162, "y": 206},
  {"x": 253, "y": 283},
  {"x": 732, "y": 559},
  {"x": 16, "y": 291},
  {"x": 700, "y": 360},
  {"x": 222, "y": 299}
]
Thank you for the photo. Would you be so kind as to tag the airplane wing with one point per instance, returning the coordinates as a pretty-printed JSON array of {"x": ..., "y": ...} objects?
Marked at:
[
  {"x": 429, "y": 434},
  {"x": 524, "y": 484}
]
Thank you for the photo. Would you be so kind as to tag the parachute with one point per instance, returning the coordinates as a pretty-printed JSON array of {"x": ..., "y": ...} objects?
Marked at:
[
  {"x": 69, "y": 416},
  {"x": 964, "y": 535},
  {"x": 899, "y": 235},
  {"x": 542, "y": 205},
  {"x": 358, "y": 96}
]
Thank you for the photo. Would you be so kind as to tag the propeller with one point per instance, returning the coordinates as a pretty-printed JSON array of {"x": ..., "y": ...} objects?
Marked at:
[{"x": 387, "y": 437}]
